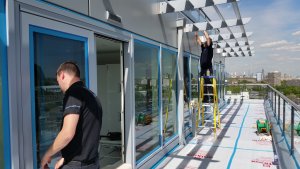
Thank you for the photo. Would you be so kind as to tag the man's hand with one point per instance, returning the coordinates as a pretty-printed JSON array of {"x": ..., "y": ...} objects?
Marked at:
[
  {"x": 207, "y": 38},
  {"x": 44, "y": 163},
  {"x": 59, "y": 163},
  {"x": 198, "y": 40}
]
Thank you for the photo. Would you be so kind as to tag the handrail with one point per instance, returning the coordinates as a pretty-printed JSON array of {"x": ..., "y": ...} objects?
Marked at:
[{"x": 297, "y": 108}]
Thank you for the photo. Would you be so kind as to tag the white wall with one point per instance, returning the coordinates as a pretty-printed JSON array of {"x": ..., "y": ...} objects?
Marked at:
[
  {"x": 139, "y": 16},
  {"x": 110, "y": 97}
]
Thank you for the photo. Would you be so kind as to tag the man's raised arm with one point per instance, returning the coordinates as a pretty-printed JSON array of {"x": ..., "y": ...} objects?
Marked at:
[
  {"x": 208, "y": 39},
  {"x": 198, "y": 40}
]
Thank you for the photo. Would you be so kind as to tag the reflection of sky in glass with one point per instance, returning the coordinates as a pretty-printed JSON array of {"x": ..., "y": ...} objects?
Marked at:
[
  {"x": 60, "y": 50},
  {"x": 144, "y": 62},
  {"x": 49, "y": 53},
  {"x": 146, "y": 99},
  {"x": 168, "y": 66}
]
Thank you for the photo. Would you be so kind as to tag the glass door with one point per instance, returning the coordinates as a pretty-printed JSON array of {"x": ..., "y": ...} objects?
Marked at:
[{"x": 45, "y": 45}]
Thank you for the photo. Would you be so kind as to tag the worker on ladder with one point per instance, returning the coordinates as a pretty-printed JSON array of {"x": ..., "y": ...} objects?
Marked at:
[
  {"x": 206, "y": 59},
  {"x": 208, "y": 96}
]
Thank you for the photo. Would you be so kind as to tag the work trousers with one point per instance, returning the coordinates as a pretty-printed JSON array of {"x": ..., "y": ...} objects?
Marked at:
[{"x": 79, "y": 165}]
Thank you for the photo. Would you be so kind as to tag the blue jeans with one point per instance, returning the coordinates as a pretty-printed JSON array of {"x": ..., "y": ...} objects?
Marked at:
[{"x": 79, "y": 165}]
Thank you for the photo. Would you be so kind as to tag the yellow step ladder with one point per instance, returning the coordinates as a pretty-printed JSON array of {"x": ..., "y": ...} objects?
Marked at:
[{"x": 201, "y": 106}]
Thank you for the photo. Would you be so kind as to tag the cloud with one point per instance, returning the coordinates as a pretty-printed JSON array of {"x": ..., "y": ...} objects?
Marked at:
[
  {"x": 287, "y": 58},
  {"x": 291, "y": 47},
  {"x": 297, "y": 59},
  {"x": 274, "y": 54},
  {"x": 296, "y": 33},
  {"x": 275, "y": 43}
]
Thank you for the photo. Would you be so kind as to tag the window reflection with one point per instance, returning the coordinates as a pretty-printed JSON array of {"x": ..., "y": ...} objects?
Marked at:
[
  {"x": 168, "y": 64},
  {"x": 146, "y": 98},
  {"x": 187, "y": 113},
  {"x": 49, "y": 52},
  {"x": 194, "y": 80}
]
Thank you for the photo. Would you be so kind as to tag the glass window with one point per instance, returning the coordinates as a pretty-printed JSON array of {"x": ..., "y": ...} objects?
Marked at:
[
  {"x": 186, "y": 110},
  {"x": 194, "y": 79},
  {"x": 146, "y": 98},
  {"x": 1, "y": 109},
  {"x": 169, "y": 91},
  {"x": 49, "y": 52},
  {"x": 4, "y": 126}
]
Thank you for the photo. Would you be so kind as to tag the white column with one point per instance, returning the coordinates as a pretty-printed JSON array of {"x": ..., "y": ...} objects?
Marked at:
[{"x": 180, "y": 87}]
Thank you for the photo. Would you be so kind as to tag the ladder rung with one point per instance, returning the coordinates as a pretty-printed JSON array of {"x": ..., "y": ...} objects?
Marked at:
[
  {"x": 207, "y": 127},
  {"x": 208, "y": 85},
  {"x": 208, "y": 120},
  {"x": 208, "y": 77},
  {"x": 207, "y": 104},
  {"x": 208, "y": 94}
]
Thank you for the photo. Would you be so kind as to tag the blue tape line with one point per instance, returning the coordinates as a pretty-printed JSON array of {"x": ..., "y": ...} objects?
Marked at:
[
  {"x": 4, "y": 99},
  {"x": 190, "y": 135},
  {"x": 237, "y": 140},
  {"x": 146, "y": 155},
  {"x": 164, "y": 157},
  {"x": 227, "y": 147}
]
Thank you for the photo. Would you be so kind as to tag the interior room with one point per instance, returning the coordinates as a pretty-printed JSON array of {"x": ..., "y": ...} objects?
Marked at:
[{"x": 109, "y": 93}]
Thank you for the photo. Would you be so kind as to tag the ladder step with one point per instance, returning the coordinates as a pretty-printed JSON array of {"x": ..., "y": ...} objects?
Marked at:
[
  {"x": 208, "y": 94},
  {"x": 208, "y": 77},
  {"x": 208, "y": 120},
  {"x": 207, "y": 127},
  {"x": 207, "y": 104},
  {"x": 208, "y": 85}
]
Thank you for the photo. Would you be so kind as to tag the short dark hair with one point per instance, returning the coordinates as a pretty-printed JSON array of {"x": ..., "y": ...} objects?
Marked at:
[{"x": 69, "y": 67}]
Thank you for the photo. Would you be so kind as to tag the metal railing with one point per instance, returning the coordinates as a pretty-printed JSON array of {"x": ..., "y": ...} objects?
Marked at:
[
  {"x": 285, "y": 111},
  {"x": 287, "y": 114}
]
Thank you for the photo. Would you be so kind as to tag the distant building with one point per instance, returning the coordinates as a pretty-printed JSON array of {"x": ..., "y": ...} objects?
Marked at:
[
  {"x": 286, "y": 77},
  {"x": 274, "y": 78},
  {"x": 237, "y": 80},
  {"x": 259, "y": 77},
  {"x": 293, "y": 82}
]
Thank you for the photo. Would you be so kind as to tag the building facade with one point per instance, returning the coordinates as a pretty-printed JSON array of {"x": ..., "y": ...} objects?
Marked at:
[
  {"x": 274, "y": 78},
  {"x": 144, "y": 72}
]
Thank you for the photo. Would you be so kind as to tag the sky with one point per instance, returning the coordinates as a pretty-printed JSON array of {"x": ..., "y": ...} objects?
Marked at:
[{"x": 276, "y": 34}]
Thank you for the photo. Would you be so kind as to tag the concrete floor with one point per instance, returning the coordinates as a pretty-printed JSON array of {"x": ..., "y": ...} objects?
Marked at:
[{"x": 236, "y": 145}]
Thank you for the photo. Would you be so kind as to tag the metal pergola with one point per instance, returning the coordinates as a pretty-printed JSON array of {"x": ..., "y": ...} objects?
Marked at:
[{"x": 227, "y": 44}]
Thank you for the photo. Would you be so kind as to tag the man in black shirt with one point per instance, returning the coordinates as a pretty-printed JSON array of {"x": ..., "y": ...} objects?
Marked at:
[
  {"x": 78, "y": 139},
  {"x": 206, "y": 62},
  {"x": 206, "y": 54}
]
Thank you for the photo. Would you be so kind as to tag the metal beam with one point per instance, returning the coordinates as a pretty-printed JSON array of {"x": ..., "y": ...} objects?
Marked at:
[
  {"x": 223, "y": 37},
  {"x": 238, "y": 53},
  {"x": 202, "y": 26},
  {"x": 234, "y": 44},
  {"x": 188, "y": 5},
  {"x": 234, "y": 49}
]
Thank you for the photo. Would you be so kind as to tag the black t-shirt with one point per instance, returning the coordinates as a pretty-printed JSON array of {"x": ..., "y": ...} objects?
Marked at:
[
  {"x": 84, "y": 145},
  {"x": 206, "y": 56}
]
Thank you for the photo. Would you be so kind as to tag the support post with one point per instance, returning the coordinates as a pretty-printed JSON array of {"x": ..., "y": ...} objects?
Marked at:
[
  {"x": 278, "y": 121},
  {"x": 180, "y": 23},
  {"x": 292, "y": 130},
  {"x": 274, "y": 110},
  {"x": 283, "y": 118}
]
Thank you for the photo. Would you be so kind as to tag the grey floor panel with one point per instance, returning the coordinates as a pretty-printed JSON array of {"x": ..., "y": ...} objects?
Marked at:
[{"x": 236, "y": 144}]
